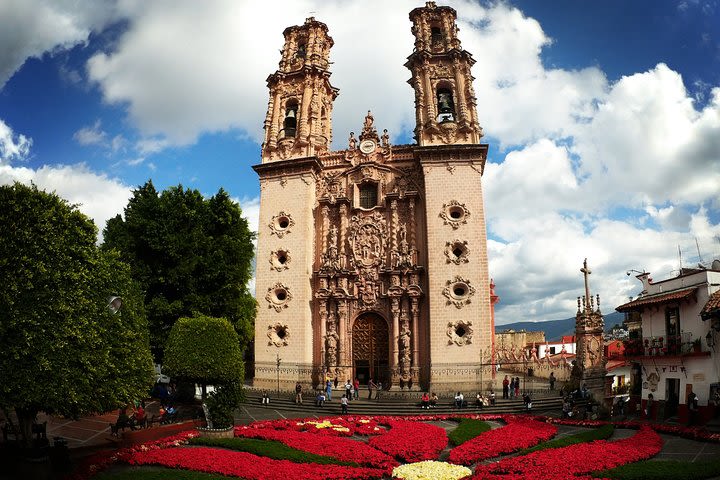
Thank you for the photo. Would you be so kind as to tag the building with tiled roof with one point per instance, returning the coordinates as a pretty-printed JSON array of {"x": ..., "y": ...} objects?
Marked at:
[{"x": 673, "y": 341}]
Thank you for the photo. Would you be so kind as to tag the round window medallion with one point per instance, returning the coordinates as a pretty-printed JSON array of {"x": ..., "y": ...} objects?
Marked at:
[
  {"x": 281, "y": 224},
  {"x": 278, "y": 297},
  {"x": 458, "y": 292},
  {"x": 454, "y": 214},
  {"x": 367, "y": 146}
]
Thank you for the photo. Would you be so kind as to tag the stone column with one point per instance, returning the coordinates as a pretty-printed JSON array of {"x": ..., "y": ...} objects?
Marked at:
[
  {"x": 395, "y": 332},
  {"x": 343, "y": 228},
  {"x": 323, "y": 329},
  {"x": 415, "y": 326}
]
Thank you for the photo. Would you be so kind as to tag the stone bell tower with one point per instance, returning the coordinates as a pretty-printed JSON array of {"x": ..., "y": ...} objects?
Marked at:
[
  {"x": 452, "y": 161},
  {"x": 297, "y": 123},
  {"x": 297, "y": 130}
]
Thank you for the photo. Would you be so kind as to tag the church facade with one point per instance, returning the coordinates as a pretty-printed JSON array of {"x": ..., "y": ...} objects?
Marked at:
[{"x": 372, "y": 260}]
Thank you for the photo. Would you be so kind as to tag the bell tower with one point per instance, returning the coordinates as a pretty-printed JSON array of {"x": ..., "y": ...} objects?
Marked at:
[
  {"x": 445, "y": 104},
  {"x": 298, "y": 120}
]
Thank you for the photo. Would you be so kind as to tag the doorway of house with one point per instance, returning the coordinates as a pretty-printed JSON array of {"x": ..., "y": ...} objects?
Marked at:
[{"x": 672, "y": 396}]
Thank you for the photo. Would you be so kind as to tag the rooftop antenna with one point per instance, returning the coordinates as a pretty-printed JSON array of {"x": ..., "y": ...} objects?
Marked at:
[
  {"x": 680, "y": 255},
  {"x": 697, "y": 245}
]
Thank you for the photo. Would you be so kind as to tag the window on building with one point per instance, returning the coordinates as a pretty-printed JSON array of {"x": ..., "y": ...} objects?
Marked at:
[
  {"x": 368, "y": 195},
  {"x": 672, "y": 321},
  {"x": 446, "y": 106},
  {"x": 436, "y": 36},
  {"x": 300, "y": 51}
]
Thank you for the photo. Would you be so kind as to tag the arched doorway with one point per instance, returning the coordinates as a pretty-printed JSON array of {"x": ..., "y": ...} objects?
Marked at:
[{"x": 370, "y": 348}]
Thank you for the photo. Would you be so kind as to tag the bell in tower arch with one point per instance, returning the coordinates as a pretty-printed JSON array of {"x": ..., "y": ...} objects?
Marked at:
[
  {"x": 290, "y": 122},
  {"x": 446, "y": 107}
]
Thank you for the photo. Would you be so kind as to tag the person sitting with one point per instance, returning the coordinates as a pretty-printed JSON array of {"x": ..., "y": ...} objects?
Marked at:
[
  {"x": 425, "y": 401},
  {"x": 265, "y": 399},
  {"x": 433, "y": 400},
  {"x": 459, "y": 400},
  {"x": 492, "y": 398},
  {"x": 528, "y": 401},
  {"x": 139, "y": 416},
  {"x": 320, "y": 398},
  {"x": 479, "y": 400}
]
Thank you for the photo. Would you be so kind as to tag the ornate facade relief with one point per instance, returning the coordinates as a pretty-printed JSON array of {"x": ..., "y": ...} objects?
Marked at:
[
  {"x": 458, "y": 292},
  {"x": 457, "y": 252},
  {"x": 460, "y": 332},
  {"x": 278, "y": 296},
  {"x": 278, "y": 334},
  {"x": 279, "y": 260},
  {"x": 281, "y": 224},
  {"x": 454, "y": 214}
]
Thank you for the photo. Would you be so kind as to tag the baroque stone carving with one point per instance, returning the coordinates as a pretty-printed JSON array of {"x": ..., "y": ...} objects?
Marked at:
[
  {"x": 403, "y": 254},
  {"x": 460, "y": 332},
  {"x": 279, "y": 260},
  {"x": 281, "y": 224},
  {"x": 457, "y": 252},
  {"x": 454, "y": 214},
  {"x": 278, "y": 334},
  {"x": 458, "y": 292},
  {"x": 278, "y": 296}
]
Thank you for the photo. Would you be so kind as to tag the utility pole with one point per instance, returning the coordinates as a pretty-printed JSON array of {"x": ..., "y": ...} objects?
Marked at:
[{"x": 279, "y": 360}]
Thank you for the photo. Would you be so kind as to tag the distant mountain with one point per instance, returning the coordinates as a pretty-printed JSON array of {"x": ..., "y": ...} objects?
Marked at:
[{"x": 555, "y": 329}]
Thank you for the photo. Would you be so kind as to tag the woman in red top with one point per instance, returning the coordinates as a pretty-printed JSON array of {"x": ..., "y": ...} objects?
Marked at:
[{"x": 425, "y": 401}]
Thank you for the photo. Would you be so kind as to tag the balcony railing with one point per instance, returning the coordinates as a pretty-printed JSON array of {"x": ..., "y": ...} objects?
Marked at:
[{"x": 661, "y": 345}]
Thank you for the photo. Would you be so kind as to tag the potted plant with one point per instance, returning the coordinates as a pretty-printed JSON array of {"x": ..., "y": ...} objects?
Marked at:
[{"x": 221, "y": 405}]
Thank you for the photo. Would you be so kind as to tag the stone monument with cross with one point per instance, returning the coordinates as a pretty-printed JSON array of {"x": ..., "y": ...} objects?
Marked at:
[{"x": 590, "y": 351}]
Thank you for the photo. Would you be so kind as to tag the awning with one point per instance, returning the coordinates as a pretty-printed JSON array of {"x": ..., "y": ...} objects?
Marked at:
[
  {"x": 712, "y": 307},
  {"x": 657, "y": 299}
]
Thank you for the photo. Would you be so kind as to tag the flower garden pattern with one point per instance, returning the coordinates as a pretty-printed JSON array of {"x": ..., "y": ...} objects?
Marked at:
[{"x": 402, "y": 447}]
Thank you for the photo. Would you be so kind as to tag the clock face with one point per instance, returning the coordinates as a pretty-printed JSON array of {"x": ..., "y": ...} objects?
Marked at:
[{"x": 367, "y": 146}]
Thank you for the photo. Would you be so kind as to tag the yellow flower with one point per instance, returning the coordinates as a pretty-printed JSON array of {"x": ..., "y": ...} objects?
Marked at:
[
  {"x": 341, "y": 429},
  {"x": 364, "y": 421},
  {"x": 431, "y": 470}
]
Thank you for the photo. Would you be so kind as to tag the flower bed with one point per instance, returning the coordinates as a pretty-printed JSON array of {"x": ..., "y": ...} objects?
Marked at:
[
  {"x": 575, "y": 460},
  {"x": 408, "y": 438},
  {"x": 519, "y": 433},
  {"x": 411, "y": 441},
  {"x": 340, "y": 448},
  {"x": 246, "y": 465}
]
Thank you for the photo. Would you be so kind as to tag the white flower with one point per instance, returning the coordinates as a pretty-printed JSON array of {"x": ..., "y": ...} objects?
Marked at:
[{"x": 431, "y": 470}]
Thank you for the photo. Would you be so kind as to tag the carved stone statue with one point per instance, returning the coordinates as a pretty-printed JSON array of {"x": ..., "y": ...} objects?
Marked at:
[
  {"x": 352, "y": 143},
  {"x": 385, "y": 138}
]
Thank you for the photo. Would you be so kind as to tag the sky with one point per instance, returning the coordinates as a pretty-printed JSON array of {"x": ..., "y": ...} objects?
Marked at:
[{"x": 602, "y": 119}]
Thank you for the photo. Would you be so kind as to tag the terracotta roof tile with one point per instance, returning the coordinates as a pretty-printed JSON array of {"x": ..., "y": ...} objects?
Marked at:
[
  {"x": 712, "y": 305},
  {"x": 657, "y": 298}
]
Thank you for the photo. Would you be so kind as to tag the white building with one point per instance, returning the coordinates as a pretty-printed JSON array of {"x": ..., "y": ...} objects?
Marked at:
[{"x": 674, "y": 328}]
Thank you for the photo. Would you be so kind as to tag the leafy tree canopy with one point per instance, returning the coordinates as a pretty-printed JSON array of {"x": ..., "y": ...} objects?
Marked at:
[
  {"x": 63, "y": 351},
  {"x": 204, "y": 350},
  {"x": 189, "y": 254}
]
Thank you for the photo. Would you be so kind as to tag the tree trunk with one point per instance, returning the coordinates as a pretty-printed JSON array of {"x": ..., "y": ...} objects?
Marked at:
[
  {"x": 26, "y": 417},
  {"x": 204, "y": 392}
]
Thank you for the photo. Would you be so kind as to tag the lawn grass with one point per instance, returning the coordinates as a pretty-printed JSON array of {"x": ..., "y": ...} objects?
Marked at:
[
  {"x": 269, "y": 449},
  {"x": 158, "y": 473},
  {"x": 467, "y": 429},
  {"x": 601, "y": 433},
  {"x": 664, "y": 470}
]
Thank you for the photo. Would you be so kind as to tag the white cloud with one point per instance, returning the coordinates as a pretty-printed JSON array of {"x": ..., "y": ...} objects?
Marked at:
[
  {"x": 12, "y": 146},
  {"x": 91, "y": 135},
  {"x": 30, "y": 28},
  {"x": 95, "y": 194}
]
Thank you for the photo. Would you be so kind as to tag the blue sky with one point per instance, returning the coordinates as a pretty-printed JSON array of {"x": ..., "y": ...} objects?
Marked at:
[{"x": 603, "y": 118}]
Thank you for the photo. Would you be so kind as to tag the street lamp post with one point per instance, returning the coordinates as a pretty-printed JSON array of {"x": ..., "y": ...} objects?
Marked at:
[{"x": 278, "y": 361}]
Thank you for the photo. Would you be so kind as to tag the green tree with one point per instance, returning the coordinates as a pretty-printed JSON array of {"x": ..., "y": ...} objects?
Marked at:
[
  {"x": 189, "y": 254},
  {"x": 204, "y": 350},
  {"x": 64, "y": 351}
]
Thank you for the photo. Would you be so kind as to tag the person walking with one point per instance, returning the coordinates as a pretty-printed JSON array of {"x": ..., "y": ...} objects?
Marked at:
[
  {"x": 344, "y": 404},
  {"x": 356, "y": 389},
  {"x": 517, "y": 387},
  {"x": 506, "y": 387},
  {"x": 552, "y": 381},
  {"x": 371, "y": 387}
]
